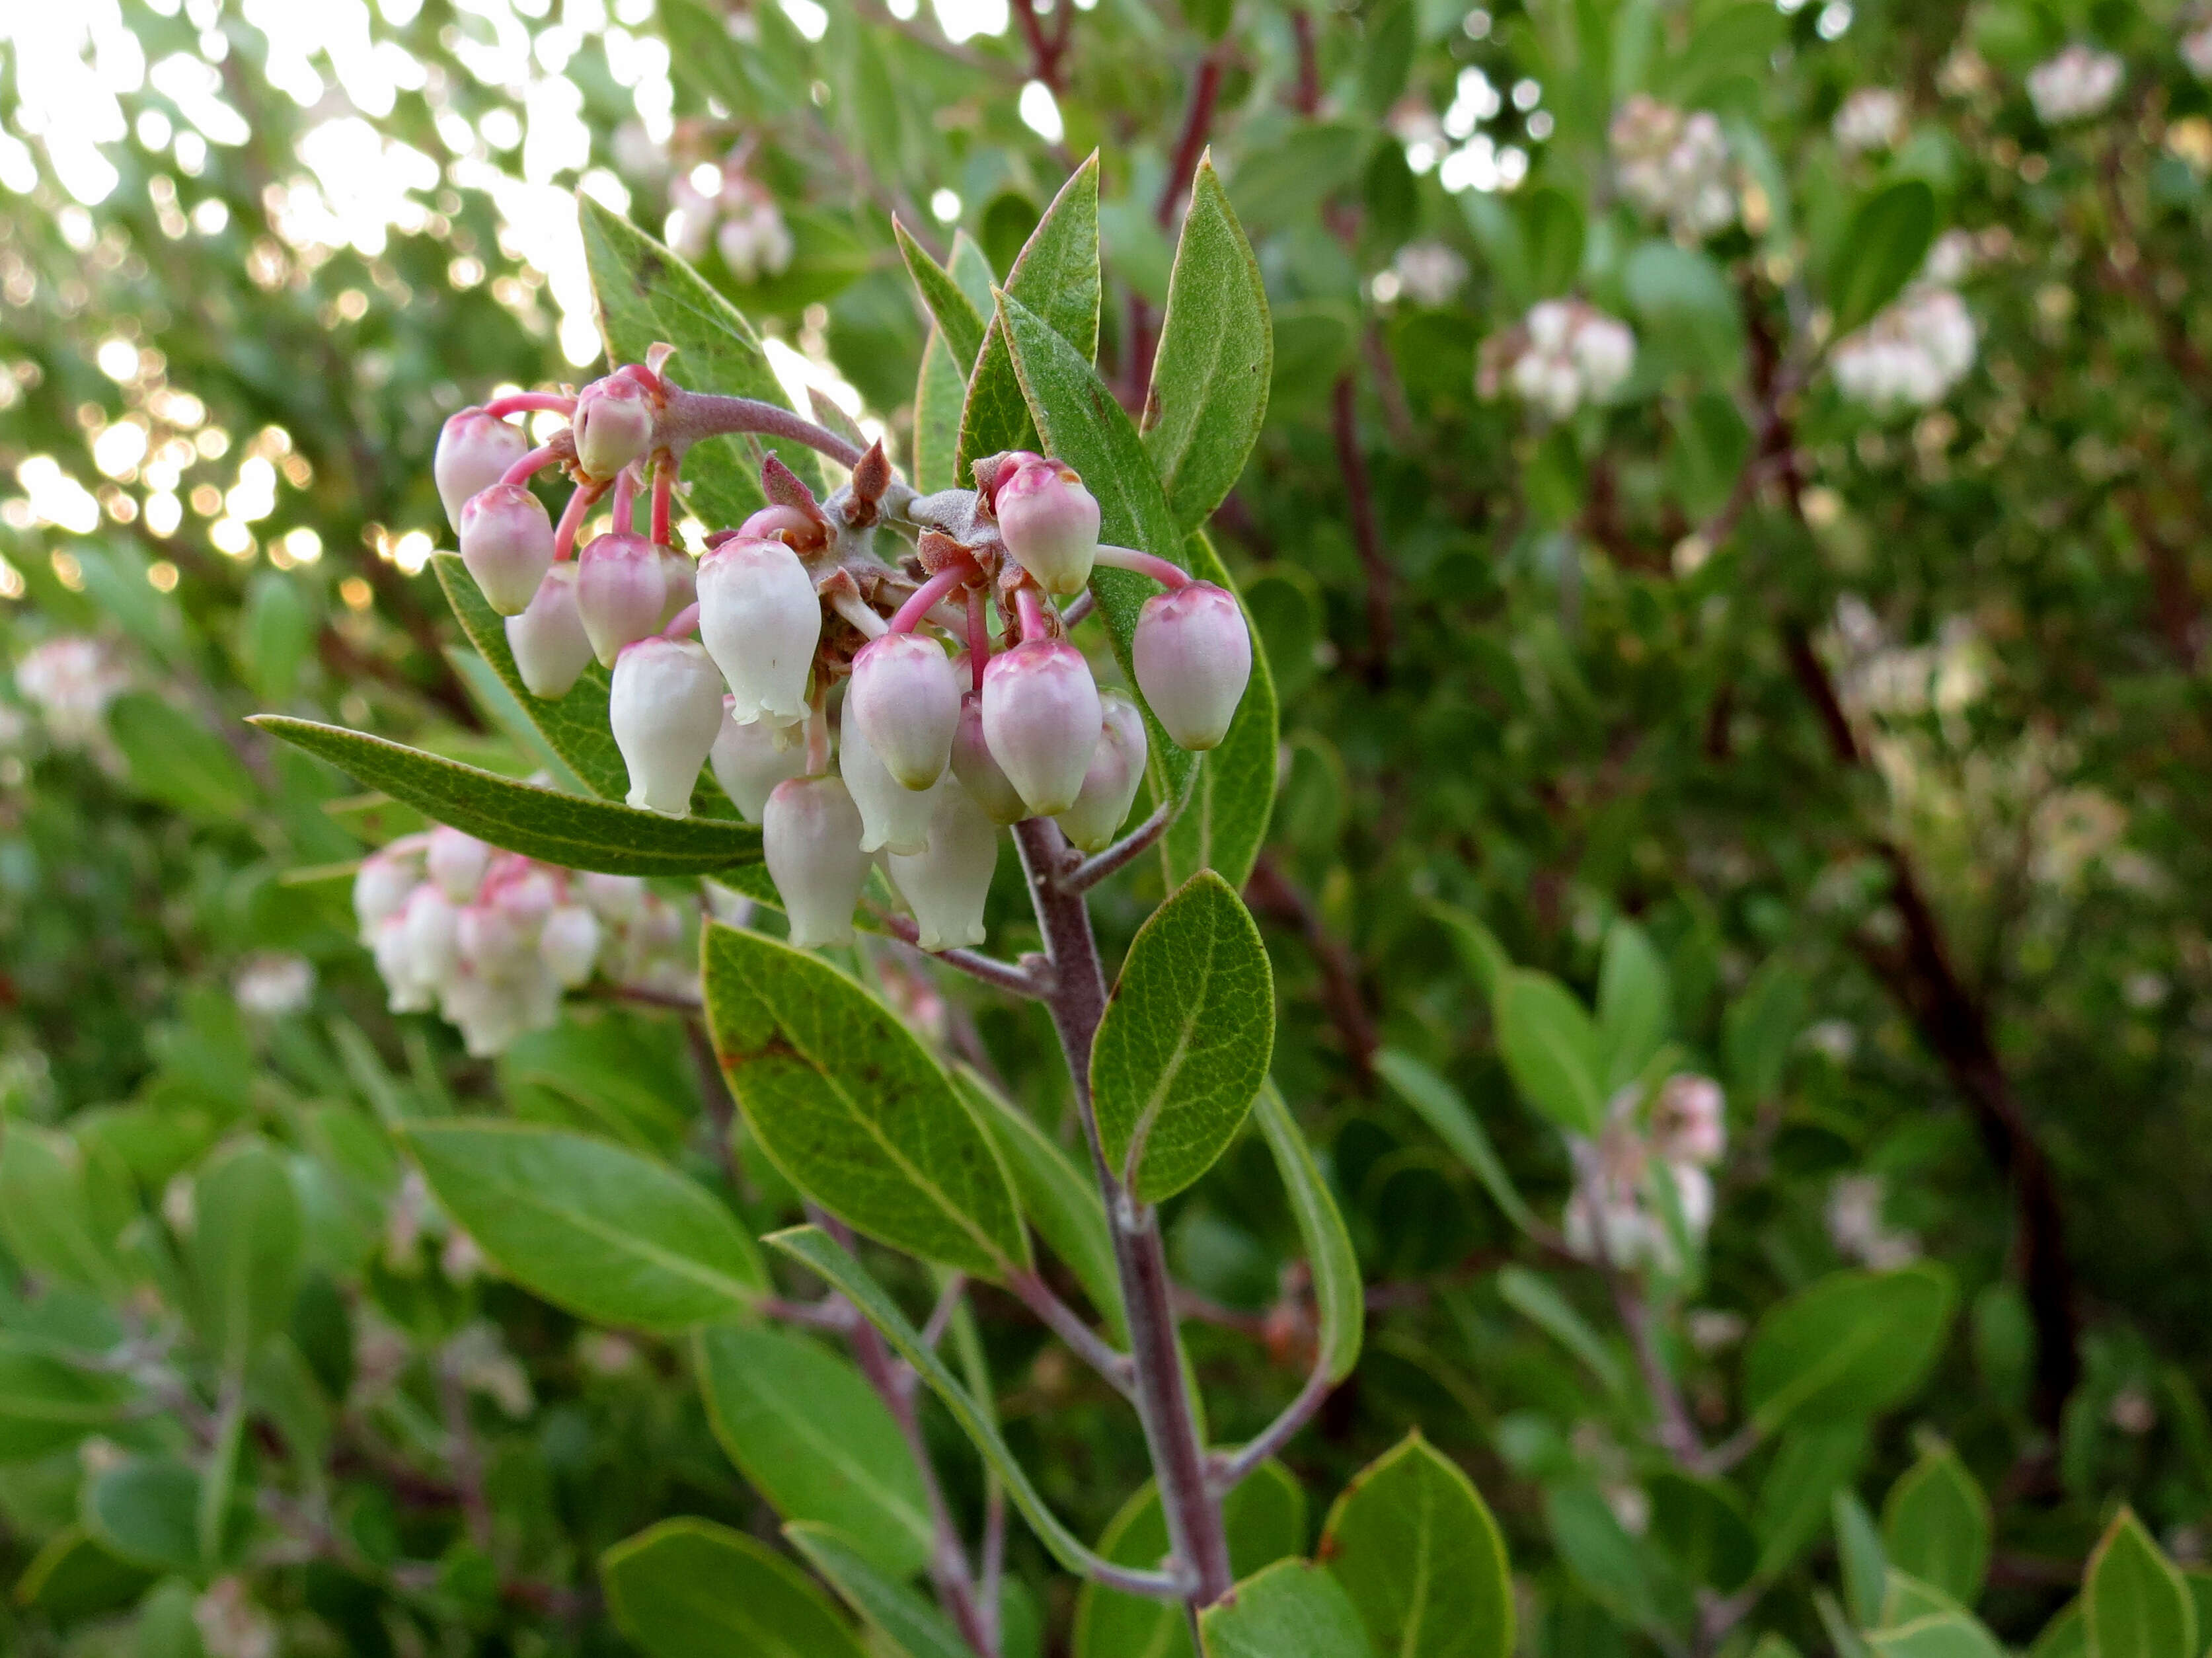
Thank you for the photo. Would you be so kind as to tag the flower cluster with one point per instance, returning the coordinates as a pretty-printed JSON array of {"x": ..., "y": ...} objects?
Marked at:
[
  {"x": 1673, "y": 165},
  {"x": 2079, "y": 82},
  {"x": 71, "y": 681},
  {"x": 1871, "y": 119},
  {"x": 1565, "y": 353},
  {"x": 947, "y": 730},
  {"x": 724, "y": 202},
  {"x": 1911, "y": 355},
  {"x": 1641, "y": 1185},
  {"x": 2196, "y": 41},
  {"x": 491, "y": 939}
]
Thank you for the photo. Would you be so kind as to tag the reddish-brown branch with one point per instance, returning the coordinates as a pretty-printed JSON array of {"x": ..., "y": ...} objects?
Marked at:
[
  {"x": 1197, "y": 122},
  {"x": 2177, "y": 612},
  {"x": 1366, "y": 531},
  {"x": 1047, "y": 48},
  {"x": 1305, "y": 96}
]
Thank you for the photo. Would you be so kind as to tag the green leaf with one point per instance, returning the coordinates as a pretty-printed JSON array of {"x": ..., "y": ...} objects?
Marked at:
[
  {"x": 1935, "y": 1524},
  {"x": 559, "y": 829},
  {"x": 855, "y": 1111},
  {"x": 1690, "y": 315},
  {"x": 971, "y": 269},
  {"x": 938, "y": 394},
  {"x": 1276, "y": 182},
  {"x": 612, "y": 1236},
  {"x": 1938, "y": 1635},
  {"x": 1536, "y": 1299},
  {"x": 1186, "y": 1039},
  {"x": 2134, "y": 1603},
  {"x": 1265, "y": 1521},
  {"x": 1904, "y": 1598},
  {"x": 812, "y": 1436},
  {"x": 1885, "y": 242},
  {"x": 1852, "y": 1345},
  {"x": 145, "y": 1511},
  {"x": 1291, "y": 1607},
  {"x": 47, "y": 1215},
  {"x": 1632, "y": 1000},
  {"x": 1864, "y": 1562},
  {"x": 1442, "y": 1107},
  {"x": 1223, "y": 822},
  {"x": 1552, "y": 231},
  {"x": 575, "y": 727},
  {"x": 1760, "y": 1028},
  {"x": 45, "y": 1404},
  {"x": 2066, "y": 1636},
  {"x": 1061, "y": 1199},
  {"x": 912, "y": 1625},
  {"x": 1553, "y": 1049},
  {"x": 689, "y": 1588},
  {"x": 1701, "y": 1525},
  {"x": 1811, "y": 1465},
  {"x": 958, "y": 321},
  {"x": 1216, "y": 356},
  {"x": 1415, "y": 1546},
  {"x": 245, "y": 1250},
  {"x": 1055, "y": 278},
  {"x": 75, "y": 1576},
  {"x": 1079, "y": 423},
  {"x": 647, "y": 295},
  {"x": 829, "y": 1260},
  {"x": 1338, "y": 1294},
  {"x": 177, "y": 761},
  {"x": 1622, "y": 1572}
]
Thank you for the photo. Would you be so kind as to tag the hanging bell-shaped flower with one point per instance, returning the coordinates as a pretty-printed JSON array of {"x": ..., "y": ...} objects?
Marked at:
[
  {"x": 569, "y": 945},
  {"x": 680, "y": 572},
  {"x": 474, "y": 452},
  {"x": 1109, "y": 787},
  {"x": 1049, "y": 523},
  {"x": 382, "y": 886},
  {"x": 810, "y": 838},
  {"x": 507, "y": 541},
  {"x": 750, "y": 760},
  {"x": 1193, "y": 658},
  {"x": 907, "y": 692},
  {"x": 551, "y": 649},
  {"x": 621, "y": 593},
  {"x": 457, "y": 862},
  {"x": 946, "y": 882},
  {"x": 1041, "y": 718},
  {"x": 759, "y": 618},
  {"x": 894, "y": 818},
  {"x": 979, "y": 770},
  {"x": 665, "y": 711},
  {"x": 613, "y": 425}
]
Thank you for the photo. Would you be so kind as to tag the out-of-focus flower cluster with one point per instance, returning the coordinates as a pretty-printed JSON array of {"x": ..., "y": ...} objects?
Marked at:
[
  {"x": 723, "y": 202},
  {"x": 2079, "y": 82},
  {"x": 1872, "y": 118},
  {"x": 1859, "y": 1231},
  {"x": 1565, "y": 353},
  {"x": 1912, "y": 354},
  {"x": 491, "y": 938},
  {"x": 2196, "y": 40},
  {"x": 1643, "y": 1187},
  {"x": 70, "y": 681},
  {"x": 1673, "y": 165}
]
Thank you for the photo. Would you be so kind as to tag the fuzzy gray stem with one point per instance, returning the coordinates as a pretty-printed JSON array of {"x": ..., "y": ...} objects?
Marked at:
[
  {"x": 1077, "y": 1001},
  {"x": 691, "y": 416},
  {"x": 1123, "y": 852}
]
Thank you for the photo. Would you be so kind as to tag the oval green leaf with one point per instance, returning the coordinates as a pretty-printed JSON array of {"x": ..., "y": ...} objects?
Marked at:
[
  {"x": 45, "y": 1404},
  {"x": 1186, "y": 1041},
  {"x": 247, "y": 1249},
  {"x": 1852, "y": 1346},
  {"x": 1551, "y": 1046},
  {"x": 1415, "y": 1547},
  {"x": 689, "y": 1588},
  {"x": 1885, "y": 242},
  {"x": 567, "y": 830},
  {"x": 1937, "y": 1524},
  {"x": 811, "y": 1435},
  {"x": 1291, "y": 1607},
  {"x": 612, "y": 1236},
  {"x": 853, "y": 1109},
  {"x": 2134, "y": 1603}
]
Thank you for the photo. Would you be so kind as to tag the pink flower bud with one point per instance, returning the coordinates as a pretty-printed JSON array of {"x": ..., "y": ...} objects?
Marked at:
[
  {"x": 750, "y": 760},
  {"x": 381, "y": 888},
  {"x": 893, "y": 816},
  {"x": 1192, "y": 658},
  {"x": 613, "y": 425},
  {"x": 946, "y": 882},
  {"x": 569, "y": 945},
  {"x": 1109, "y": 787},
  {"x": 665, "y": 711},
  {"x": 905, "y": 691},
  {"x": 551, "y": 649},
  {"x": 457, "y": 862},
  {"x": 979, "y": 771},
  {"x": 1689, "y": 1119},
  {"x": 615, "y": 898},
  {"x": 759, "y": 618},
  {"x": 1049, "y": 523},
  {"x": 621, "y": 593},
  {"x": 473, "y": 451},
  {"x": 507, "y": 541},
  {"x": 810, "y": 836},
  {"x": 1042, "y": 718},
  {"x": 415, "y": 950},
  {"x": 489, "y": 938}
]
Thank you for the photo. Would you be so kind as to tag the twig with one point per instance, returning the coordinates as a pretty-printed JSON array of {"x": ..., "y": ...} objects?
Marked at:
[
  {"x": 1366, "y": 533},
  {"x": 691, "y": 416},
  {"x": 941, "y": 1315},
  {"x": 1064, "y": 1323},
  {"x": 1226, "y": 1471},
  {"x": 1045, "y": 49},
  {"x": 1123, "y": 852},
  {"x": 1197, "y": 121},
  {"x": 1003, "y": 975},
  {"x": 461, "y": 1452}
]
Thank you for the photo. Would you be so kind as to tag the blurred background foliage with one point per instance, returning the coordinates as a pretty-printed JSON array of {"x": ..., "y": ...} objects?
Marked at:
[{"x": 1889, "y": 728}]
